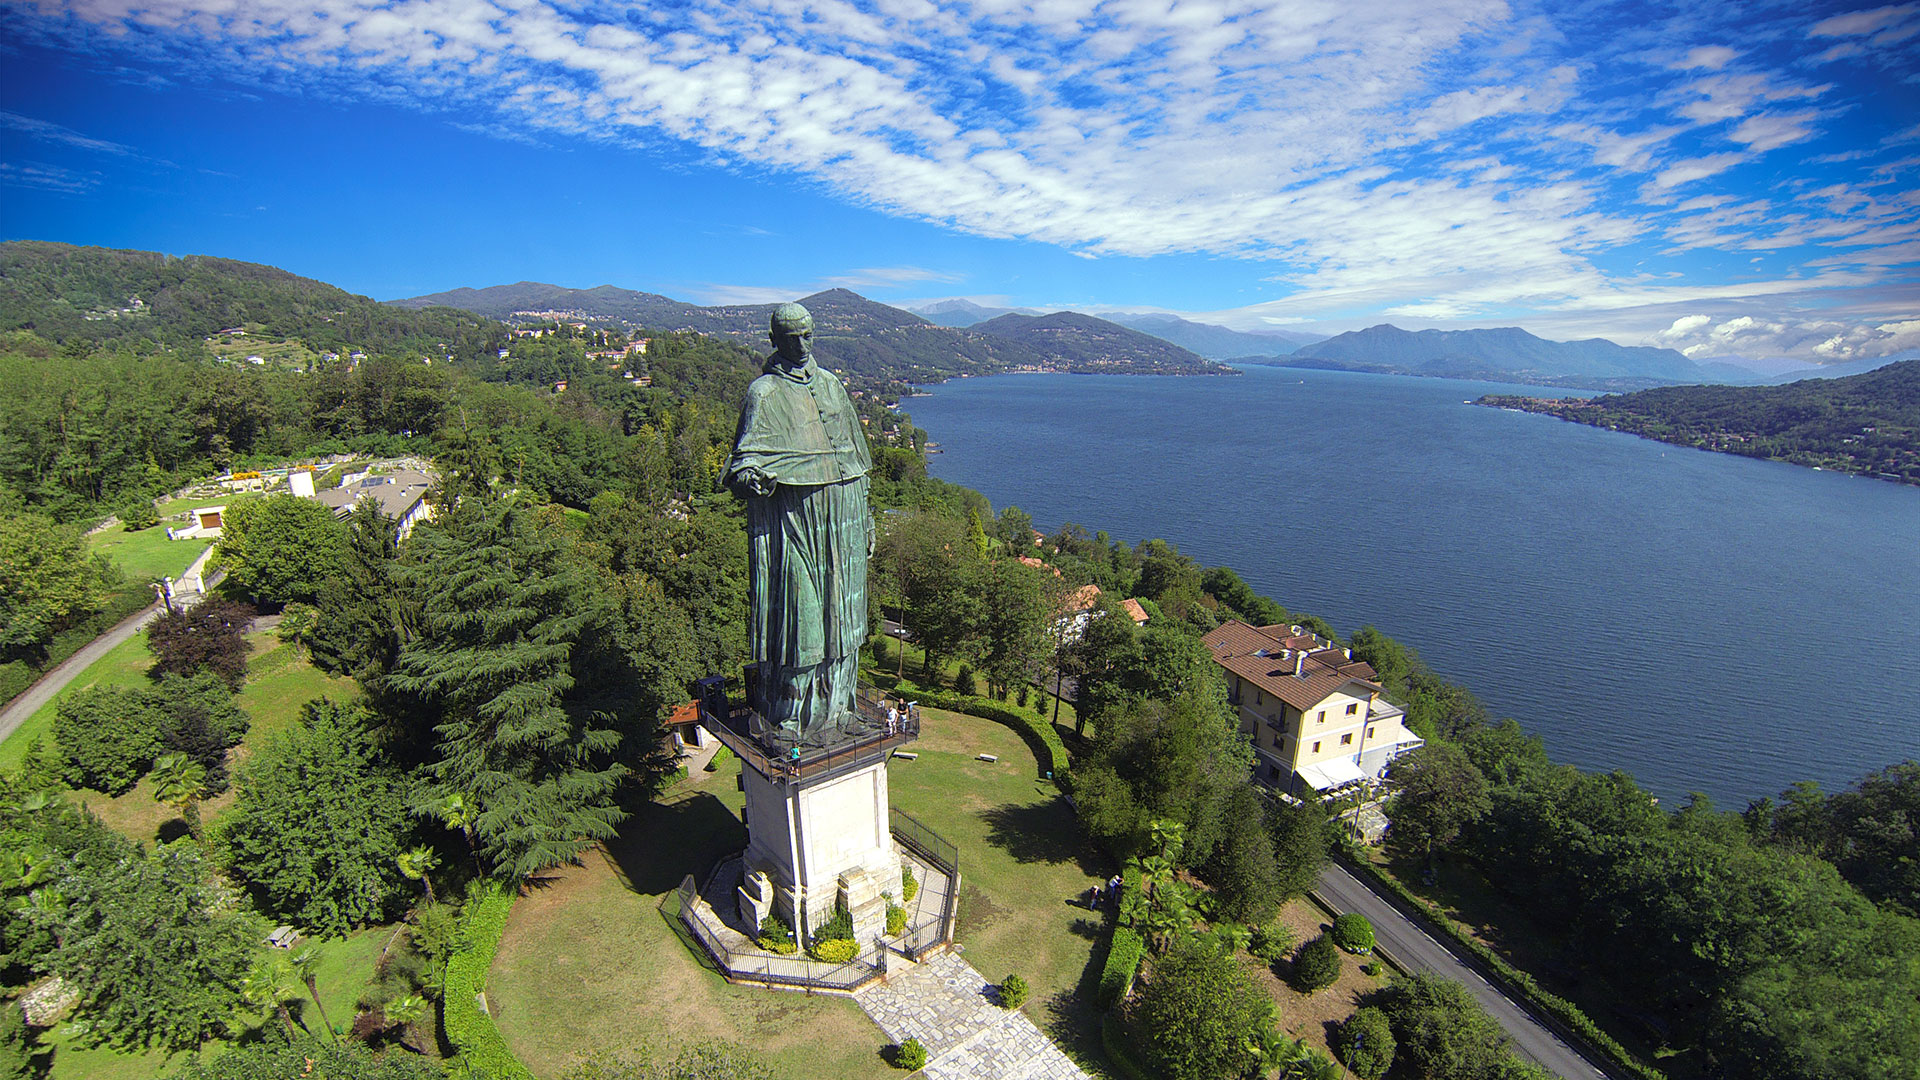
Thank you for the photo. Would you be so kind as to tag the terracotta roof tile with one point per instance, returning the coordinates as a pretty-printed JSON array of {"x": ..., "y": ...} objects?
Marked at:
[{"x": 1262, "y": 657}]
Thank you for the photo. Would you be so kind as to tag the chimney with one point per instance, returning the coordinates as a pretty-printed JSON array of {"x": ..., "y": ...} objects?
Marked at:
[{"x": 1299, "y": 662}]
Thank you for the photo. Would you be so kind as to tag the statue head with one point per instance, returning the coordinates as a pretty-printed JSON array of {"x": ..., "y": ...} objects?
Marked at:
[{"x": 792, "y": 334}]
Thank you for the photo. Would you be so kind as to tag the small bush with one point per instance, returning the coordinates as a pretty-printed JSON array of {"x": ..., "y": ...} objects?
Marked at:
[
  {"x": 15, "y": 677},
  {"x": 1365, "y": 1044},
  {"x": 896, "y": 919},
  {"x": 1353, "y": 932},
  {"x": 1271, "y": 943},
  {"x": 909, "y": 887},
  {"x": 719, "y": 759},
  {"x": 1317, "y": 966},
  {"x": 139, "y": 514},
  {"x": 910, "y": 1055},
  {"x": 1123, "y": 960},
  {"x": 839, "y": 926},
  {"x": 963, "y": 679},
  {"x": 1371, "y": 967},
  {"x": 777, "y": 937},
  {"x": 1013, "y": 992},
  {"x": 835, "y": 950}
]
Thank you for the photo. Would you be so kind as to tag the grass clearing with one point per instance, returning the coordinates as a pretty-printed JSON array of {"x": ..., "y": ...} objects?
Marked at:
[
  {"x": 1313, "y": 1016},
  {"x": 588, "y": 963},
  {"x": 146, "y": 555}
]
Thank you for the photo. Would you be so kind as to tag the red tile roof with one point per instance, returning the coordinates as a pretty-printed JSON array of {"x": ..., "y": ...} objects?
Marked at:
[
  {"x": 1134, "y": 610},
  {"x": 1083, "y": 598},
  {"x": 1263, "y": 657},
  {"x": 688, "y": 713}
]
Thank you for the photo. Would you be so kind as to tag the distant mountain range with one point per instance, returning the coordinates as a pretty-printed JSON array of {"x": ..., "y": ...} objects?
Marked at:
[
  {"x": 1217, "y": 342},
  {"x": 857, "y": 335},
  {"x": 1508, "y": 354},
  {"x": 966, "y": 312}
]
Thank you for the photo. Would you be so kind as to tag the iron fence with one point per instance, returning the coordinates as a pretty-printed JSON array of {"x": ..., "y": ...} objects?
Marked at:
[
  {"x": 931, "y": 847},
  {"x": 795, "y": 971}
]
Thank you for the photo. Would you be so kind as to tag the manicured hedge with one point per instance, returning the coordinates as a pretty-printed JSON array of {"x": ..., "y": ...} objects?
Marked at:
[
  {"x": 1123, "y": 961},
  {"x": 1566, "y": 1012},
  {"x": 1114, "y": 1042},
  {"x": 1036, "y": 730},
  {"x": 481, "y": 1049}
]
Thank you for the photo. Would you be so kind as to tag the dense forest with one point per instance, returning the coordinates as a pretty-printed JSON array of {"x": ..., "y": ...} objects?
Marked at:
[{"x": 1866, "y": 424}]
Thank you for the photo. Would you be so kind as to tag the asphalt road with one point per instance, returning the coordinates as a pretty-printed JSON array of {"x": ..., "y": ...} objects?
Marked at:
[{"x": 1413, "y": 948}]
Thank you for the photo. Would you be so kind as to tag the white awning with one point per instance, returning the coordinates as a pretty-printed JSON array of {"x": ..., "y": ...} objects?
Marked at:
[{"x": 1328, "y": 775}]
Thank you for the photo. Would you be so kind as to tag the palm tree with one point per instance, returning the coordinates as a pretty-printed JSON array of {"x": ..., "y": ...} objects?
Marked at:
[
  {"x": 418, "y": 864},
  {"x": 1231, "y": 937},
  {"x": 179, "y": 781},
  {"x": 297, "y": 624},
  {"x": 271, "y": 984},
  {"x": 304, "y": 963},
  {"x": 459, "y": 811},
  {"x": 404, "y": 1012}
]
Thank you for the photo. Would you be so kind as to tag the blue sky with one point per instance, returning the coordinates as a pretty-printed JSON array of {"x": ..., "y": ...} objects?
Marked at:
[{"x": 1726, "y": 179}]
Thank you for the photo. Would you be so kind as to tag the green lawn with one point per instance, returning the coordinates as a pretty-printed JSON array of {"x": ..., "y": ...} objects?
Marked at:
[
  {"x": 588, "y": 963},
  {"x": 1024, "y": 864},
  {"x": 146, "y": 555}
]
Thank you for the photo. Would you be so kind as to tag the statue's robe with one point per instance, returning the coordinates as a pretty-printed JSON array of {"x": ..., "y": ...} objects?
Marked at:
[{"x": 808, "y": 547}]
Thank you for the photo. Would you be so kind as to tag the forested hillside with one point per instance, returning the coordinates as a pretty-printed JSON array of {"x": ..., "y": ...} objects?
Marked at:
[
  {"x": 66, "y": 293},
  {"x": 1867, "y": 424}
]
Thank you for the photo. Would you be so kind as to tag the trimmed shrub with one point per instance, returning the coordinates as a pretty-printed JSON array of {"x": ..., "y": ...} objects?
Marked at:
[
  {"x": 471, "y": 1031},
  {"x": 1272, "y": 943},
  {"x": 1037, "y": 732},
  {"x": 1353, "y": 932},
  {"x": 777, "y": 937},
  {"x": 15, "y": 677},
  {"x": 910, "y": 1055},
  {"x": 909, "y": 887},
  {"x": 896, "y": 919},
  {"x": 1123, "y": 961},
  {"x": 1365, "y": 1044},
  {"x": 108, "y": 736},
  {"x": 1013, "y": 992},
  {"x": 840, "y": 925},
  {"x": 1317, "y": 965},
  {"x": 1371, "y": 967},
  {"x": 835, "y": 950},
  {"x": 719, "y": 759}
]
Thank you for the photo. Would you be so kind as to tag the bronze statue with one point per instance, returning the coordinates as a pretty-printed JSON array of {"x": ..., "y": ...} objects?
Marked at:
[{"x": 800, "y": 461}]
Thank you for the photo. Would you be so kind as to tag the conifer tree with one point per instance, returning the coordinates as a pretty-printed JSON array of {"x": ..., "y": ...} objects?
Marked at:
[{"x": 536, "y": 712}]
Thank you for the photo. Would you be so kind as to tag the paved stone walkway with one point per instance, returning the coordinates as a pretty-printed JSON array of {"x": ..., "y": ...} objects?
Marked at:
[{"x": 948, "y": 1006}]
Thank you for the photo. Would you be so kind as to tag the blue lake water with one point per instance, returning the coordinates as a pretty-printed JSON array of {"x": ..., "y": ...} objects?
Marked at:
[{"x": 1706, "y": 622}]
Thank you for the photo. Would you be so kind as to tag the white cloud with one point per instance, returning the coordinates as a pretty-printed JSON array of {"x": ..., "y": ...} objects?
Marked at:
[
  {"x": 1464, "y": 154},
  {"x": 1858, "y": 23}
]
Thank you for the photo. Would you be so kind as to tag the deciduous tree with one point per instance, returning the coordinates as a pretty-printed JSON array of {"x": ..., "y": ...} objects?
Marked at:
[
  {"x": 281, "y": 547},
  {"x": 1200, "y": 1015}
]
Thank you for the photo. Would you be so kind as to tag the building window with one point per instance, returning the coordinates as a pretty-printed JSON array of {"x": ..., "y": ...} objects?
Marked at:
[
  {"x": 1347, "y": 739},
  {"x": 1259, "y": 698},
  {"x": 1351, "y": 709},
  {"x": 1316, "y": 746},
  {"x": 1369, "y": 732},
  {"x": 1320, "y": 717}
]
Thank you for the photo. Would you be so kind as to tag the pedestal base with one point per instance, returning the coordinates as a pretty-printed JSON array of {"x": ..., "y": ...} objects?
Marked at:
[{"x": 824, "y": 842}]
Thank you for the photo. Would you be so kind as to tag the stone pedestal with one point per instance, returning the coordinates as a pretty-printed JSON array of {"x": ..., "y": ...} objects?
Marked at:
[
  {"x": 824, "y": 840},
  {"x": 756, "y": 900}
]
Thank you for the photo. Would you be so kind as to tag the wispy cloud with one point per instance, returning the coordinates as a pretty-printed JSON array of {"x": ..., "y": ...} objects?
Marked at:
[
  {"x": 47, "y": 131},
  {"x": 1419, "y": 156}
]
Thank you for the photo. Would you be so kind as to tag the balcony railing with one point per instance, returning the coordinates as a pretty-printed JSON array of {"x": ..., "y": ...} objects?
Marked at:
[{"x": 776, "y": 754}]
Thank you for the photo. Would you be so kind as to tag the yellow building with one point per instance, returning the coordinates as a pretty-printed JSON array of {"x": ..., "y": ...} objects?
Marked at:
[{"x": 1317, "y": 719}]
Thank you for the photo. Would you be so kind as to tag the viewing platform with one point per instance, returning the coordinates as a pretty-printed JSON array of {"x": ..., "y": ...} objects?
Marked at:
[{"x": 782, "y": 756}]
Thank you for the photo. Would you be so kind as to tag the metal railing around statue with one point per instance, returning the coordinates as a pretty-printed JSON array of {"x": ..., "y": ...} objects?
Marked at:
[
  {"x": 794, "y": 971},
  {"x": 772, "y": 753},
  {"x": 924, "y": 936}
]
